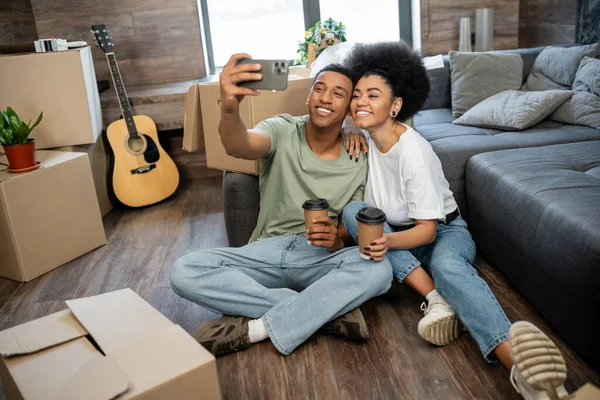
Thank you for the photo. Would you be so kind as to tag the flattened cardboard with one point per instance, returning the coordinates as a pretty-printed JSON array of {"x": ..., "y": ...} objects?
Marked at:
[
  {"x": 48, "y": 217},
  {"x": 62, "y": 85},
  {"x": 206, "y": 96},
  {"x": 147, "y": 356}
]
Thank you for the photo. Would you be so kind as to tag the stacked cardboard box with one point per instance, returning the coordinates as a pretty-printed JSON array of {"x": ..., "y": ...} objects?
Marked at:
[
  {"x": 48, "y": 217},
  {"x": 63, "y": 85}
]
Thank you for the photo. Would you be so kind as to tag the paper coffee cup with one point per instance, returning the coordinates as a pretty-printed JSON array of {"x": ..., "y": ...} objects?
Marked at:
[
  {"x": 314, "y": 208},
  {"x": 370, "y": 227}
]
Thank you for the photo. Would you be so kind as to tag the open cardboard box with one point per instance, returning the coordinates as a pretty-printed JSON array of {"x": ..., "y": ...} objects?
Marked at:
[
  {"x": 113, "y": 345},
  {"x": 203, "y": 112}
]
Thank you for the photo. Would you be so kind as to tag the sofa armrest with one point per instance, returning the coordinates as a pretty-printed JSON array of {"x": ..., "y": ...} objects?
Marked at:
[{"x": 241, "y": 202}]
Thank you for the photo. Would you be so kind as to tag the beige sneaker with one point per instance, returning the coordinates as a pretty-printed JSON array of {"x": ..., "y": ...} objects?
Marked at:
[
  {"x": 440, "y": 325},
  {"x": 539, "y": 369}
]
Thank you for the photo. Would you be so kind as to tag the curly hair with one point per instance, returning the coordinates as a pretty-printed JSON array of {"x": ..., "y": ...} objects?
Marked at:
[{"x": 399, "y": 66}]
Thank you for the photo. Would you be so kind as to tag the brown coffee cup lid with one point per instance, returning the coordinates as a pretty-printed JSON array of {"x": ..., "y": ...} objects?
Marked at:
[
  {"x": 370, "y": 216},
  {"x": 316, "y": 204}
]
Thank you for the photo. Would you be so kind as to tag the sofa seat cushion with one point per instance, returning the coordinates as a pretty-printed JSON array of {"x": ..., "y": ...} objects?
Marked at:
[
  {"x": 536, "y": 213},
  {"x": 455, "y": 145}
]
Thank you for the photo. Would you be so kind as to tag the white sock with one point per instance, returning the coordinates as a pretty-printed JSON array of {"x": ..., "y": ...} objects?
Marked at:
[
  {"x": 257, "y": 331},
  {"x": 432, "y": 295}
]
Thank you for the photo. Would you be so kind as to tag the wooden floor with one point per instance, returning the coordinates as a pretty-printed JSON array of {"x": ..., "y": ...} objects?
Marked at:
[{"x": 394, "y": 364}]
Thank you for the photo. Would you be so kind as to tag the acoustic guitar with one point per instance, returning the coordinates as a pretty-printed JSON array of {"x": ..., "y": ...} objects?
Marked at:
[{"x": 140, "y": 172}]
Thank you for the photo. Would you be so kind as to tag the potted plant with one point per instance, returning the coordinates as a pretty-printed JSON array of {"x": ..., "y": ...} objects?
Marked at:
[{"x": 14, "y": 137}]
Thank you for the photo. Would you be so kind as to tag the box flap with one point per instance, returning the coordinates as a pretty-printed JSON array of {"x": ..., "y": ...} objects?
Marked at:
[
  {"x": 98, "y": 379},
  {"x": 39, "y": 376},
  {"x": 27, "y": 338},
  {"x": 192, "y": 121},
  {"x": 159, "y": 358},
  {"x": 117, "y": 318}
]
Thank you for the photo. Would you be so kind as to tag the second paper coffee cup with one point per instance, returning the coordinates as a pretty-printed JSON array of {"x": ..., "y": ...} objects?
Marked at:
[
  {"x": 370, "y": 227},
  {"x": 314, "y": 208}
]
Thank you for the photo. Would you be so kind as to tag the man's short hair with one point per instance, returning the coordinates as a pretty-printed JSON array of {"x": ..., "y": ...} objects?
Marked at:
[{"x": 340, "y": 69}]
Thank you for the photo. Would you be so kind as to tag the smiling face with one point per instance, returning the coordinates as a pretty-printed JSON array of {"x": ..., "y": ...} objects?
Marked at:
[
  {"x": 329, "y": 99},
  {"x": 372, "y": 102}
]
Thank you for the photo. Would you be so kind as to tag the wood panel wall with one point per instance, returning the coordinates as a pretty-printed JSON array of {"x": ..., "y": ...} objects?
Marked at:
[
  {"x": 156, "y": 41},
  {"x": 440, "y": 23},
  {"x": 546, "y": 22},
  {"x": 16, "y": 22}
]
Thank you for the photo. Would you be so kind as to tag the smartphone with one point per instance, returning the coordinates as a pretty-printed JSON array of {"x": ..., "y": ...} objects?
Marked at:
[{"x": 274, "y": 74}]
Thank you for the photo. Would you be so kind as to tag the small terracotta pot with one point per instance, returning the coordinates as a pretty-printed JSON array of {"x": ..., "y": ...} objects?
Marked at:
[{"x": 21, "y": 155}]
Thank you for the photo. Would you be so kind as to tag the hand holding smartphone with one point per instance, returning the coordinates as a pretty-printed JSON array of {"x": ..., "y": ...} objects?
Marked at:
[{"x": 274, "y": 74}]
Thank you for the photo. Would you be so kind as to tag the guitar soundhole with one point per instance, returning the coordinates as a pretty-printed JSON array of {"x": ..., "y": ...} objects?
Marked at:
[{"x": 135, "y": 144}]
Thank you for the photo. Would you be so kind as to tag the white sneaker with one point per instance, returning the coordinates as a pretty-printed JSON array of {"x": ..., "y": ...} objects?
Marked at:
[
  {"x": 440, "y": 325},
  {"x": 539, "y": 369}
]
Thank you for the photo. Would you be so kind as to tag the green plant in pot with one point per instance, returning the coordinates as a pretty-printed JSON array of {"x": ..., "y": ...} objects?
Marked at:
[{"x": 14, "y": 137}]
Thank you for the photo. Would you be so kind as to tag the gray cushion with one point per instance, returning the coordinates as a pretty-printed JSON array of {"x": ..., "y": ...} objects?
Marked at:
[
  {"x": 584, "y": 107},
  {"x": 477, "y": 76},
  {"x": 514, "y": 109},
  {"x": 535, "y": 213},
  {"x": 555, "y": 67},
  {"x": 439, "y": 95}
]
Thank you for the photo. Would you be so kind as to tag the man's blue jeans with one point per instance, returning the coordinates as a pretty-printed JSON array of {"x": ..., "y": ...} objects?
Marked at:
[
  {"x": 449, "y": 261},
  {"x": 296, "y": 288}
]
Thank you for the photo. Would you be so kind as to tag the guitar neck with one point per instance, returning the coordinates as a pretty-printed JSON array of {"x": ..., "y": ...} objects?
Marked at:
[{"x": 121, "y": 94}]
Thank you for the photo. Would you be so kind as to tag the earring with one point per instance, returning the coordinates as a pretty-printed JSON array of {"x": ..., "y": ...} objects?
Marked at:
[{"x": 393, "y": 113}]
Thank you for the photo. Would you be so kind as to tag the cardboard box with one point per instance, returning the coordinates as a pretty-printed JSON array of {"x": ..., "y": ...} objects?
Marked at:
[
  {"x": 99, "y": 164},
  {"x": 105, "y": 346},
  {"x": 203, "y": 110},
  {"x": 63, "y": 85},
  {"x": 586, "y": 392},
  {"x": 48, "y": 217}
]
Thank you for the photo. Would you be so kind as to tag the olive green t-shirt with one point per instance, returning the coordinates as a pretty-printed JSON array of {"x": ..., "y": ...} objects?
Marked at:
[{"x": 291, "y": 173}]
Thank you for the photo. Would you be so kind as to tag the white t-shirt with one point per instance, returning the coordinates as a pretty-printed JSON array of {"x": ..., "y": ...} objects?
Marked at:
[{"x": 408, "y": 182}]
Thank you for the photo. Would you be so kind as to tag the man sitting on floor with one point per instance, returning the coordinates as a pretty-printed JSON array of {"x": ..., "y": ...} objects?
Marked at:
[{"x": 288, "y": 282}]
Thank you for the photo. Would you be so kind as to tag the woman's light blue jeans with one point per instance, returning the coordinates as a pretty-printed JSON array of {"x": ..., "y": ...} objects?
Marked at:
[
  {"x": 449, "y": 261},
  {"x": 296, "y": 288}
]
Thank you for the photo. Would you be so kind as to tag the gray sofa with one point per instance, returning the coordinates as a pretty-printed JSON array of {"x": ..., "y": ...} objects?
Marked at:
[
  {"x": 532, "y": 200},
  {"x": 456, "y": 144}
]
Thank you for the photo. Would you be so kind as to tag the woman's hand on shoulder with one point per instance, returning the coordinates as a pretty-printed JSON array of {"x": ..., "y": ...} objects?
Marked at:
[{"x": 354, "y": 140}]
